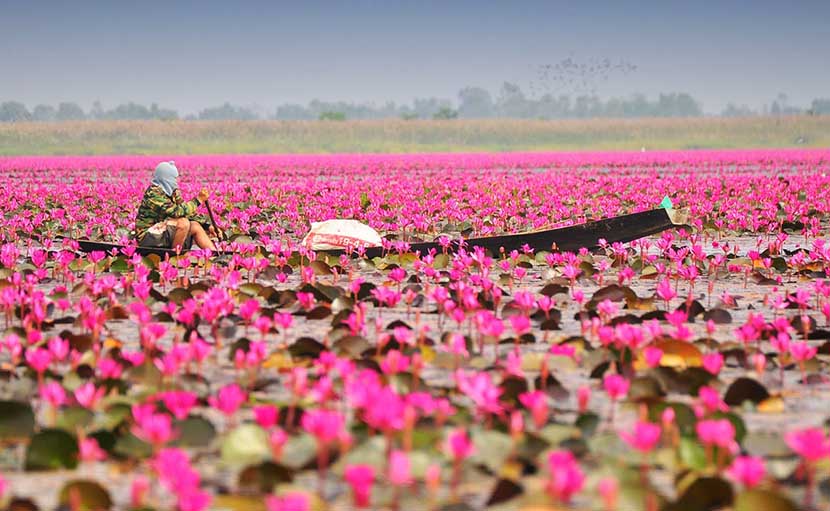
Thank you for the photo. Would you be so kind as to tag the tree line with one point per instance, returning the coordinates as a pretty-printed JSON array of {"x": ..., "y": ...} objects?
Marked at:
[{"x": 471, "y": 103}]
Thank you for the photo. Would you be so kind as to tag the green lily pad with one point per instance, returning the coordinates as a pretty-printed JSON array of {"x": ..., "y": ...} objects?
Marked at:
[
  {"x": 372, "y": 452},
  {"x": 113, "y": 416},
  {"x": 299, "y": 450},
  {"x": 704, "y": 494},
  {"x": 491, "y": 449},
  {"x": 504, "y": 491},
  {"x": 90, "y": 495},
  {"x": 132, "y": 447},
  {"x": 763, "y": 500},
  {"x": 587, "y": 423},
  {"x": 246, "y": 445},
  {"x": 17, "y": 420},
  {"x": 74, "y": 417},
  {"x": 51, "y": 449},
  {"x": 692, "y": 453},
  {"x": 195, "y": 431},
  {"x": 261, "y": 479}
]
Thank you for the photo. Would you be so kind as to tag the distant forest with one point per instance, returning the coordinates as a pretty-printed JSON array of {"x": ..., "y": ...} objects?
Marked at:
[{"x": 472, "y": 103}]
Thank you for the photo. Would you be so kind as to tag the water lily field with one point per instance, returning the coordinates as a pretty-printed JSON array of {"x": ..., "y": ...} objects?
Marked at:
[{"x": 684, "y": 371}]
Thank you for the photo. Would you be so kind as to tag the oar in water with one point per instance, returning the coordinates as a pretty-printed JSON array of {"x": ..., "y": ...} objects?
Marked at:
[{"x": 213, "y": 221}]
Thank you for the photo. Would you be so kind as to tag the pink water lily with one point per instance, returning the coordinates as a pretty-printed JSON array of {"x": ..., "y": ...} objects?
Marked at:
[
  {"x": 812, "y": 444},
  {"x": 179, "y": 402},
  {"x": 228, "y": 399},
  {"x": 644, "y": 437},
  {"x": 360, "y": 478},
  {"x": 403, "y": 350},
  {"x": 566, "y": 476},
  {"x": 89, "y": 450},
  {"x": 747, "y": 470},
  {"x": 88, "y": 395},
  {"x": 290, "y": 501}
]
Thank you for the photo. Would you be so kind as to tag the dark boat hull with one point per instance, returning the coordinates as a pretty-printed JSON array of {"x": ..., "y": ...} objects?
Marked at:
[{"x": 619, "y": 229}]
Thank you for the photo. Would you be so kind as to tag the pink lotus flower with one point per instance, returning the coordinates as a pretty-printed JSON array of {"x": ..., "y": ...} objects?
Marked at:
[
  {"x": 325, "y": 425},
  {"x": 193, "y": 499},
  {"x": 89, "y": 450},
  {"x": 153, "y": 428},
  {"x": 801, "y": 351},
  {"x": 109, "y": 369},
  {"x": 716, "y": 432},
  {"x": 283, "y": 319},
  {"x": 665, "y": 291},
  {"x": 810, "y": 443},
  {"x": 747, "y": 470},
  {"x": 360, "y": 478},
  {"x": 59, "y": 348},
  {"x": 564, "y": 350},
  {"x": 607, "y": 309},
  {"x": 653, "y": 356},
  {"x": 394, "y": 362},
  {"x": 138, "y": 491},
  {"x": 459, "y": 445},
  {"x": 248, "y": 309},
  {"x": 228, "y": 399},
  {"x": 458, "y": 345},
  {"x": 567, "y": 477},
  {"x": 480, "y": 388},
  {"x": 711, "y": 400},
  {"x": 53, "y": 393},
  {"x": 266, "y": 415},
  {"x": 713, "y": 362},
  {"x": 399, "y": 468},
  {"x": 88, "y": 395},
  {"x": 38, "y": 359},
  {"x": 615, "y": 386},
  {"x": 179, "y": 402},
  {"x": 537, "y": 403},
  {"x": 644, "y": 438},
  {"x": 520, "y": 324},
  {"x": 175, "y": 472},
  {"x": 397, "y": 275},
  {"x": 291, "y": 501}
]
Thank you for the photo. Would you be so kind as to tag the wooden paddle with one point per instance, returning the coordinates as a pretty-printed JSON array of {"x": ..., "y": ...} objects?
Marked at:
[{"x": 213, "y": 221}]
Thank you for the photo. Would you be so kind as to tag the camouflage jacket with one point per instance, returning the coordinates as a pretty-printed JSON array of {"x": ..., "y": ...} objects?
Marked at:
[{"x": 156, "y": 207}]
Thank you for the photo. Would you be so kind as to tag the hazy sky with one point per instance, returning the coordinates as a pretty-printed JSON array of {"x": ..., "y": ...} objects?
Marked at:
[{"x": 188, "y": 55}]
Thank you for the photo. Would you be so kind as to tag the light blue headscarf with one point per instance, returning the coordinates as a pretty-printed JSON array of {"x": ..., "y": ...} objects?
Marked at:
[{"x": 167, "y": 177}]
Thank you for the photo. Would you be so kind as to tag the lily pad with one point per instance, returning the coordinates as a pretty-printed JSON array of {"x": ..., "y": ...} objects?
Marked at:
[
  {"x": 87, "y": 495},
  {"x": 504, "y": 491},
  {"x": 492, "y": 448},
  {"x": 298, "y": 451},
  {"x": 306, "y": 347},
  {"x": 745, "y": 389},
  {"x": 74, "y": 417},
  {"x": 246, "y": 445},
  {"x": 262, "y": 478},
  {"x": 132, "y": 447},
  {"x": 17, "y": 420},
  {"x": 51, "y": 449},
  {"x": 195, "y": 431},
  {"x": 763, "y": 500},
  {"x": 704, "y": 494}
]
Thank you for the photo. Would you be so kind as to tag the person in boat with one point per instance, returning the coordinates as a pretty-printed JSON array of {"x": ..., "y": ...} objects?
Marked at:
[{"x": 165, "y": 220}]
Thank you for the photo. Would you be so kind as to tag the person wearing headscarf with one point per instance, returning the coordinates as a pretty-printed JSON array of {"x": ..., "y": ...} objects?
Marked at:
[{"x": 165, "y": 220}]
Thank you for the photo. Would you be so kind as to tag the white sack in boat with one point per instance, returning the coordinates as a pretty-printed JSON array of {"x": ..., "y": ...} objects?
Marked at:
[{"x": 340, "y": 234}]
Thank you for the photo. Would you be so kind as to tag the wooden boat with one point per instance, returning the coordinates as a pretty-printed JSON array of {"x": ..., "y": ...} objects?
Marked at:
[{"x": 620, "y": 229}]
